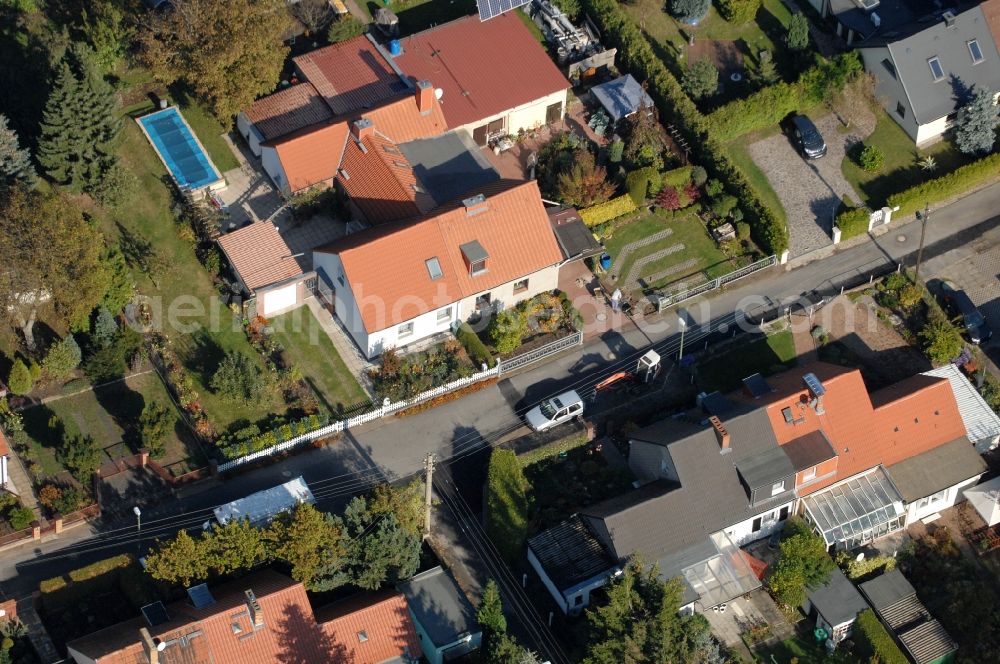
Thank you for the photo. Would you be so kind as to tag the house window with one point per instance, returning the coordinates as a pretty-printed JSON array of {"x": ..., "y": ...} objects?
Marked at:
[
  {"x": 783, "y": 514},
  {"x": 787, "y": 414},
  {"x": 362, "y": 636},
  {"x": 777, "y": 487},
  {"x": 340, "y": 277},
  {"x": 900, "y": 109},
  {"x": 405, "y": 330},
  {"x": 889, "y": 67},
  {"x": 418, "y": 189},
  {"x": 444, "y": 315},
  {"x": 757, "y": 523},
  {"x": 809, "y": 474},
  {"x": 521, "y": 286},
  {"x": 930, "y": 500},
  {"x": 578, "y": 600},
  {"x": 433, "y": 268},
  {"x": 477, "y": 267},
  {"x": 936, "y": 70},
  {"x": 975, "y": 52}
]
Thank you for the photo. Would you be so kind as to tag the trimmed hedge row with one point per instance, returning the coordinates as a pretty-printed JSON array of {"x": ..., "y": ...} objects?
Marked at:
[
  {"x": 853, "y": 222},
  {"x": 603, "y": 212},
  {"x": 636, "y": 56},
  {"x": 643, "y": 183},
  {"x": 251, "y": 440},
  {"x": 474, "y": 346},
  {"x": 86, "y": 573},
  {"x": 554, "y": 448},
  {"x": 875, "y": 642},
  {"x": 948, "y": 185}
]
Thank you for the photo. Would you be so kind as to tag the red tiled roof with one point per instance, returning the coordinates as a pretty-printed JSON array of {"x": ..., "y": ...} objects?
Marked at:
[
  {"x": 514, "y": 230},
  {"x": 288, "y": 111},
  {"x": 364, "y": 631},
  {"x": 260, "y": 255},
  {"x": 312, "y": 156},
  {"x": 863, "y": 435},
  {"x": 352, "y": 75},
  {"x": 483, "y": 67},
  {"x": 4, "y": 446},
  {"x": 381, "y": 181},
  {"x": 402, "y": 122}
]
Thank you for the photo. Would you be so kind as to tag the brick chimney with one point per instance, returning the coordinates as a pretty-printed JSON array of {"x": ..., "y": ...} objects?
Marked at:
[
  {"x": 149, "y": 646},
  {"x": 425, "y": 97},
  {"x": 362, "y": 129},
  {"x": 721, "y": 433},
  {"x": 253, "y": 606}
]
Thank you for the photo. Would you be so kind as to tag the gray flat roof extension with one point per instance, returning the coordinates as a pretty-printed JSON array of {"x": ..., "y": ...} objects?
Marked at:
[
  {"x": 838, "y": 601},
  {"x": 440, "y": 606},
  {"x": 448, "y": 165},
  {"x": 809, "y": 450},
  {"x": 937, "y": 469}
]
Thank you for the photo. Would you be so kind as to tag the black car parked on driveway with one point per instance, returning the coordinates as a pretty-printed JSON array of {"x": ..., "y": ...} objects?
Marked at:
[{"x": 806, "y": 137}]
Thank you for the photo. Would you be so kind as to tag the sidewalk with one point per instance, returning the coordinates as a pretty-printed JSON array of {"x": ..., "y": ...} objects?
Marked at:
[
  {"x": 20, "y": 484},
  {"x": 36, "y": 631},
  {"x": 348, "y": 352}
]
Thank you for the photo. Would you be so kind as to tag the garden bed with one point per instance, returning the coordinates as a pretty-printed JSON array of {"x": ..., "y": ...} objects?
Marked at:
[{"x": 766, "y": 356}]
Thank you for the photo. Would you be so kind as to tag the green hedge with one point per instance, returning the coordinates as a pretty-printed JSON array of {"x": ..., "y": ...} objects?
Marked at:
[
  {"x": 507, "y": 504},
  {"x": 554, "y": 448},
  {"x": 951, "y": 184},
  {"x": 643, "y": 183},
  {"x": 604, "y": 212},
  {"x": 874, "y": 641},
  {"x": 83, "y": 581},
  {"x": 636, "y": 56},
  {"x": 250, "y": 440},
  {"x": 678, "y": 177},
  {"x": 474, "y": 346},
  {"x": 853, "y": 222}
]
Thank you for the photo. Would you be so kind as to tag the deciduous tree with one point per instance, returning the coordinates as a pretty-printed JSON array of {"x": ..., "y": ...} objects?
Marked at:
[
  {"x": 976, "y": 132},
  {"x": 646, "y": 144},
  {"x": 802, "y": 563},
  {"x": 941, "y": 339},
  {"x": 586, "y": 183},
  {"x": 314, "y": 15},
  {"x": 15, "y": 161},
  {"x": 108, "y": 31},
  {"x": 507, "y": 329},
  {"x": 228, "y": 51},
  {"x": 239, "y": 380},
  {"x": 308, "y": 540},
  {"x": 52, "y": 262},
  {"x": 344, "y": 28},
  {"x": 178, "y": 560},
  {"x": 738, "y": 12},
  {"x": 701, "y": 79}
]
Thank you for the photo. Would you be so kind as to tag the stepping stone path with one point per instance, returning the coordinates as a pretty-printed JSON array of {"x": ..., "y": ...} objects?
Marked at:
[
  {"x": 674, "y": 269},
  {"x": 632, "y": 280}
]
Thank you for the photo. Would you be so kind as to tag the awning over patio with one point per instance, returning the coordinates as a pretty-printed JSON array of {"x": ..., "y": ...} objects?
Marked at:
[
  {"x": 722, "y": 577},
  {"x": 621, "y": 97},
  {"x": 985, "y": 498},
  {"x": 857, "y": 511}
]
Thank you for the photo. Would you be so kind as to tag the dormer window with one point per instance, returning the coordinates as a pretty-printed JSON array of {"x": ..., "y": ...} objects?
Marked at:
[
  {"x": 362, "y": 636},
  {"x": 777, "y": 487},
  {"x": 975, "y": 52},
  {"x": 936, "y": 70},
  {"x": 475, "y": 257}
]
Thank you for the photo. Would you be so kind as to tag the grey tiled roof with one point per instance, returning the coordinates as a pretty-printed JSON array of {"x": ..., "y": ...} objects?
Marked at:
[
  {"x": 837, "y": 600},
  {"x": 440, "y": 606},
  {"x": 937, "y": 469}
]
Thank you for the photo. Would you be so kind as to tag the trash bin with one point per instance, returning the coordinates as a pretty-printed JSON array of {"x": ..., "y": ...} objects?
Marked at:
[{"x": 605, "y": 261}]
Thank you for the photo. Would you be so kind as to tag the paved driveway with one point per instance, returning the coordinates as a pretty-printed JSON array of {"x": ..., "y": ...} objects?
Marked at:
[{"x": 810, "y": 191}]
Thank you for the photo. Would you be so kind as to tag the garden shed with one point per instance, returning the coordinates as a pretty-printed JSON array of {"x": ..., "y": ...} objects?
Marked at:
[
  {"x": 621, "y": 97},
  {"x": 835, "y": 606},
  {"x": 985, "y": 498}
]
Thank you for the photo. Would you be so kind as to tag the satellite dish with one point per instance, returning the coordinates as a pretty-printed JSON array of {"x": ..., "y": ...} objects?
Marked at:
[
  {"x": 438, "y": 93},
  {"x": 860, "y": 557},
  {"x": 161, "y": 646}
]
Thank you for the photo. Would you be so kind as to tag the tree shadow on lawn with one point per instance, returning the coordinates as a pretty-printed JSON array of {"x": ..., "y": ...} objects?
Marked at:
[
  {"x": 205, "y": 356},
  {"x": 37, "y": 425},
  {"x": 124, "y": 405},
  {"x": 789, "y": 65}
]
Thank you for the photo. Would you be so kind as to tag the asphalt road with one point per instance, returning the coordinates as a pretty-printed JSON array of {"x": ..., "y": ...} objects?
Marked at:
[{"x": 394, "y": 448}]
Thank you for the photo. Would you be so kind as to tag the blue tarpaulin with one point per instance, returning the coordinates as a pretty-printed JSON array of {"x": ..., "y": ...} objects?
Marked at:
[{"x": 621, "y": 97}]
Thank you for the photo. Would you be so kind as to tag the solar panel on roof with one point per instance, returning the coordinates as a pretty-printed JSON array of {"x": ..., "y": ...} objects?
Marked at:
[
  {"x": 814, "y": 384},
  {"x": 491, "y": 8},
  {"x": 155, "y": 614},
  {"x": 200, "y": 596}
]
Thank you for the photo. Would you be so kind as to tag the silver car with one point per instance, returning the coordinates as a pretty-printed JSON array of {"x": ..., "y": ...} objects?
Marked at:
[{"x": 555, "y": 411}]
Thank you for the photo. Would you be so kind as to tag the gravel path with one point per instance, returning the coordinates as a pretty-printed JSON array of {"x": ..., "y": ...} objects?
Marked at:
[{"x": 809, "y": 191}]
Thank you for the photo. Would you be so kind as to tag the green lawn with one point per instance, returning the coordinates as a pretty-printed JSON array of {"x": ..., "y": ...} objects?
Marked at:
[
  {"x": 800, "y": 650},
  {"x": 901, "y": 169},
  {"x": 309, "y": 348},
  {"x": 739, "y": 153},
  {"x": 417, "y": 15},
  {"x": 105, "y": 414},
  {"x": 687, "y": 230},
  {"x": 209, "y": 131},
  {"x": 766, "y": 356},
  {"x": 198, "y": 324}
]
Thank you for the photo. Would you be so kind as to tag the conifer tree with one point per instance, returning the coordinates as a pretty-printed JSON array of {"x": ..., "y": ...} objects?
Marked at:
[{"x": 15, "y": 161}]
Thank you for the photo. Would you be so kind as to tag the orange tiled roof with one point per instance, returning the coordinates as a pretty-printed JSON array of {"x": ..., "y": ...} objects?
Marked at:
[
  {"x": 484, "y": 67},
  {"x": 312, "y": 156},
  {"x": 4, "y": 446},
  {"x": 352, "y": 75},
  {"x": 381, "y": 181},
  {"x": 514, "y": 230},
  {"x": 402, "y": 122},
  {"x": 863, "y": 435},
  {"x": 288, "y": 111},
  {"x": 260, "y": 255},
  {"x": 364, "y": 631}
]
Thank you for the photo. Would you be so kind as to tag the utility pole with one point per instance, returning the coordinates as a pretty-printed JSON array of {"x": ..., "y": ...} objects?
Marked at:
[
  {"x": 923, "y": 229},
  {"x": 428, "y": 492},
  {"x": 138, "y": 527}
]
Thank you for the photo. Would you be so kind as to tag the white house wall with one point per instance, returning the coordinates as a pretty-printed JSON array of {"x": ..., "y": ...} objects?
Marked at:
[
  {"x": 915, "y": 513},
  {"x": 249, "y": 133},
  {"x": 272, "y": 166},
  {"x": 569, "y": 602},
  {"x": 742, "y": 533},
  {"x": 345, "y": 306},
  {"x": 546, "y": 279},
  {"x": 932, "y": 131},
  {"x": 527, "y": 116}
]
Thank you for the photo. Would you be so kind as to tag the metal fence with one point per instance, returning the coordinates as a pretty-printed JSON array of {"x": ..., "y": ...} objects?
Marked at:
[
  {"x": 388, "y": 407},
  {"x": 665, "y": 301}
]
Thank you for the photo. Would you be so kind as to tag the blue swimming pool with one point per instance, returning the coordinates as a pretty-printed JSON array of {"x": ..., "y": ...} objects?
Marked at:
[{"x": 179, "y": 149}]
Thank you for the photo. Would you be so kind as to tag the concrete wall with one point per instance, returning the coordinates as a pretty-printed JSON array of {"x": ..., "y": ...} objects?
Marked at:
[
  {"x": 742, "y": 533},
  {"x": 951, "y": 496}
]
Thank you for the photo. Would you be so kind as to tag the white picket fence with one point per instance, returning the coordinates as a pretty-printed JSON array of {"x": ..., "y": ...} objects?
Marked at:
[{"x": 389, "y": 407}]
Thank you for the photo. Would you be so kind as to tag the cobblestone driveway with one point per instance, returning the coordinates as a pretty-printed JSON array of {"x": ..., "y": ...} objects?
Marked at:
[{"x": 809, "y": 190}]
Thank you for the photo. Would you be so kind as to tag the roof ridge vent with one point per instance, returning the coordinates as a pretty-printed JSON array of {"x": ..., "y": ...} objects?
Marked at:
[{"x": 475, "y": 205}]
